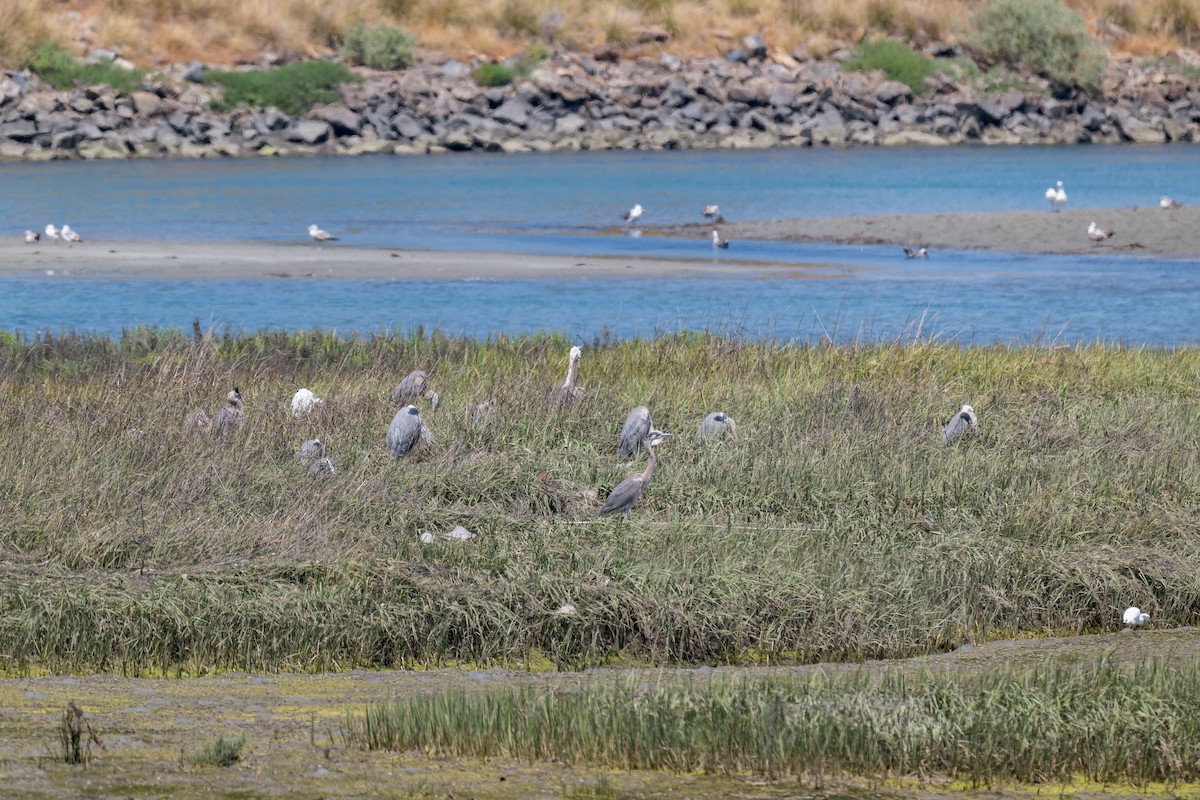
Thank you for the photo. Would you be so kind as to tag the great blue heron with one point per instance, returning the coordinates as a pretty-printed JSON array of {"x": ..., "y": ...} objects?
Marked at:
[
  {"x": 1134, "y": 617},
  {"x": 631, "y": 216},
  {"x": 568, "y": 393},
  {"x": 1098, "y": 235},
  {"x": 1056, "y": 197},
  {"x": 304, "y": 401},
  {"x": 405, "y": 431},
  {"x": 715, "y": 425},
  {"x": 198, "y": 422},
  {"x": 963, "y": 422},
  {"x": 629, "y": 491},
  {"x": 635, "y": 430},
  {"x": 231, "y": 414},
  {"x": 1168, "y": 204},
  {"x": 312, "y": 453},
  {"x": 415, "y": 385}
]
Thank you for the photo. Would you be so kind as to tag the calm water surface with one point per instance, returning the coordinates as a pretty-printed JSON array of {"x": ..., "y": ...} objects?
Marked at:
[{"x": 567, "y": 203}]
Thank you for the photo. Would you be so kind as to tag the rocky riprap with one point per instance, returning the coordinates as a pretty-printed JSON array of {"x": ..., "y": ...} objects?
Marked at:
[{"x": 747, "y": 99}]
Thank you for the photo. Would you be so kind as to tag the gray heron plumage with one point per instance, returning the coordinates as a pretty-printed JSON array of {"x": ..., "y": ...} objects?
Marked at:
[
  {"x": 629, "y": 491},
  {"x": 312, "y": 453},
  {"x": 231, "y": 414},
  {"x": 715, "y": 425},
  {"x": 416, "y": 385},
  {"x": 568, "y": 393},
  {"x": 406, "y": 431},
  {"x": 963, "y": 422},
  {"x": 634, "y": 432}
]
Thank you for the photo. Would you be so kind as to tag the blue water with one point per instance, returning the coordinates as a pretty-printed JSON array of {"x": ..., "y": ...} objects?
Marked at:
[{"x": 568, "y": 203}]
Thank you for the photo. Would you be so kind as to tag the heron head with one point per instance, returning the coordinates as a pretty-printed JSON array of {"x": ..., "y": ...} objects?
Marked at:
[
  {"x": 235, "y": 396},
  {"x": 966, "y": 409},
  {"x": 657, "y": 437},
  {"x": 411, "y": 409},
  {"x": 576, "y": 353}
]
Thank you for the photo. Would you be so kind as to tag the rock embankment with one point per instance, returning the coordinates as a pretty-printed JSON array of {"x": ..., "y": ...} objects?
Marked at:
[{"x": 748, "y": 99}]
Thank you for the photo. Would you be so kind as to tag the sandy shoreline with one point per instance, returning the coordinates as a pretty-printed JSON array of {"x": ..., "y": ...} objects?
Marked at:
[
  {"x": 1139, "y": 231},
  {"x": 256, "y": 261}
]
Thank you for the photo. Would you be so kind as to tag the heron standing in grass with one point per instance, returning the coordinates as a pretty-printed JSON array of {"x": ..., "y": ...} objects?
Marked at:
[
  {"x": 312, "y": 453},
  {"x": 406, "y": 431},
  {"x": 415, "y": 385},
  {"x": 231, "y": 414},
  {"x": 963, "y": 422},
  {"x": 568, "y": 393},
  {"x": 634, "y": 432},
  {"x": 715, "y": 426},
  {"x": 1134, "y": 617},
  {"x": 629, "y": 491}
]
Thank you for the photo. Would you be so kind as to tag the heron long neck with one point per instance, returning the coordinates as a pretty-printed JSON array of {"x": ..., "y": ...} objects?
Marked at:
[
  {"x": 572, "y": 373},
  {"x": 648, "y": 472}
]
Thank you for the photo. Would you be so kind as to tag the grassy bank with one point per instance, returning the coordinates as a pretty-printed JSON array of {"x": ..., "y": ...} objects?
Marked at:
[
  {"x": 1053, "y": 724},
  {"x": 835, "y": 526},
  {"x": 226, "y": 31}
]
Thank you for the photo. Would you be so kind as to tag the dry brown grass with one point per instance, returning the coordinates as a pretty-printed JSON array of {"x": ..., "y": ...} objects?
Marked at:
[{"x": 152, "y": 31}]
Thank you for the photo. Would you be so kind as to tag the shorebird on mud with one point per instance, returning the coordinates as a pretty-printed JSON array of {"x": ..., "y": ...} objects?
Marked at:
[{"x": 1098, "y": 235}]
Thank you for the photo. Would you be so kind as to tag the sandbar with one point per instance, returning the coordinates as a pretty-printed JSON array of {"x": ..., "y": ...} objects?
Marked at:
[
  {"x": 1137, "y": 231},
  {"x": 257, "y": 260}
]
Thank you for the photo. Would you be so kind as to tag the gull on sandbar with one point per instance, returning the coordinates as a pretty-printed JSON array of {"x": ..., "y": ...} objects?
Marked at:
[
  {"x": 631, "y": 216},
  {"x": 52, "y": 233},
  {"x": 1057, "y": 198},
  {"x": 713, "y": 212},
  {"x": 319, "y": 235},
  {"x": 1168, "y": 203},
  {"x": 1098, "y": 235},
  {"x": 69, "y": 236},
  {"x": 718, "y": 242},
  {"x": 32, "y": 237}
]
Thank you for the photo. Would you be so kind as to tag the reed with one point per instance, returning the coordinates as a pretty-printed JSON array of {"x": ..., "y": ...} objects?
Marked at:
[
  {"x": 1102, "y": 723},
  {"x": 833, "y": 526}
]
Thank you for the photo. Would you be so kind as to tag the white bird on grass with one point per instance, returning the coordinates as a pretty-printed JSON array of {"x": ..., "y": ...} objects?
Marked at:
[
  {"x": 631, "y": 216},
  {"x": 1168, "y": 203},
  {"x": 718, "y": 242},
  {"x": 1057, "y": 198},
  {"x": 319, "y": 235},
  {"x": 963, "y": 422},
  {"x": 304, "y": 401},
  {"x": 1098, "y": 235},
  {"x": 52, "y": 233},
  {"x": 1134, "y": 617}
]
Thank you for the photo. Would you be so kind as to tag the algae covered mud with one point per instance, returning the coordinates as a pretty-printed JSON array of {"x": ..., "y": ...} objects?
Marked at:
[{"x": 834, "y": 526}]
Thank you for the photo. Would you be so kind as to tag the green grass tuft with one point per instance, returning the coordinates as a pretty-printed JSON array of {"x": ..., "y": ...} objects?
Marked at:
[
  {"x": 897, "y": 60},
  {"x": 63, "y": 71},
  {"x": 293, "y": 88},
  {"x": 379, "y": 47},
  {"x": 1042, "y": 36},
  {"x": 220, "y": 752},
  {"x": 494, "y": 75}
]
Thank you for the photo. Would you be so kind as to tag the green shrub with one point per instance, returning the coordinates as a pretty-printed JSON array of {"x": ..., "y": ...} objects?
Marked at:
[
  {"x": 899, "y": 61},
  {"x": 293, "y": 89},
  {"x": 61, "y": 70},
  {"x": 494, "y": 75},
  {"x": 1041, "y": 36},
  {"x": 379, "y": 47},
  {"x": 220, "y": 753}
]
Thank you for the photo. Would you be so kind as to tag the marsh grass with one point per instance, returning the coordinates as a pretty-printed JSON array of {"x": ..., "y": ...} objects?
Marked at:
[
  {"x": 1104, "y": 723},
  {"x": 63, "y": 71},
  {"x": 897, "y": 60},
  {"x": 220, "y": 752},
  {"x": 76, "y": 736},
  {"x": 834, "y": 526},
  {"x": 293, "y": 88}
]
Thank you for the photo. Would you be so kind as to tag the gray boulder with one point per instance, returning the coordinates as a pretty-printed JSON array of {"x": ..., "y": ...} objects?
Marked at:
[
  {"x": 309, "y": 132},
  {"x": 343, "y": 121},
  {"x": 515, "y": 112}
]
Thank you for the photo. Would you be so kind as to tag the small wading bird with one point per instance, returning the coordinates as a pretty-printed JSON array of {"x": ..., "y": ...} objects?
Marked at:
[
  {"x": 915, "y": 252},
  {"x": 231, "y": 414},
  {"x": 312, "y": 453},
  {"x": 1134, "y": 617},
  {"x": 715, "y": 426},
  {"x": 713, "y": 212},
  {"x": 631, "y": 216},
  {"x": 568, "y": 393},
  {"x": 319, "y": 235},
  {"x": 634, "y": 432},
  {"x": 629, "y": 491},
  {"x": 414, "y": 385},
  {"x": 69, "y": 236},
  {"x": 1168, "y": 203},
  {"x": 963, "y": 422},
  {"x": 1057, "y": 198},
  {"x": 32, "y": 237},
  {"x": 1097, "y": 235},
  {"x": 52, "y": 233},
  {"x": 406, "y": 431},
  {"x": 718, "y": 242},
  {"x": 304, "y": 401}
]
